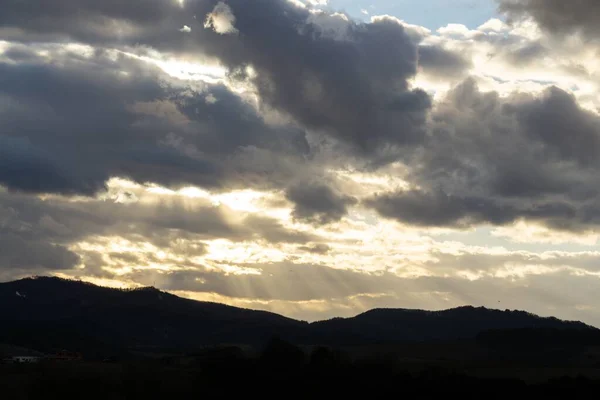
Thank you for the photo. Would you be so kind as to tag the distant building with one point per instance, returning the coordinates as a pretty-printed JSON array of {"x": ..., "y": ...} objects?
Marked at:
[
  {"x": 23, "y": 359},
  {"x": 10, "y": 354},
  {"x": 65, "y": 355},
  {"x": 31, "y": 357}
]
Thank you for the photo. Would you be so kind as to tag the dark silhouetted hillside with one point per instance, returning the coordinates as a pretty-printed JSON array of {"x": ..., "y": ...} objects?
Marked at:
[
  {"x": 393, "y": 325},
  {"x": 50, "y": 313}
]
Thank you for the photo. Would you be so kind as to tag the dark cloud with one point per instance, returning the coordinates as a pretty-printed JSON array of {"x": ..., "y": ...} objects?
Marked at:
[
  {"x": 526, "y": 54},
  {"x": 442, "y": 209},
  {"x": 68, "y": 127},
  {"x": 315, "y": 202},
  {"x": 439, "y": 209},
  {"x": 82, "y": 120},
  {"x": 227, "y": 114},
  {"x": 496, "y": 160},
  {"x": 28, "y": 169},
  {"x": 442, "y": 63},
  {"x": 72, "y": 121},
  {"x": 561, "y": 124},
  {"x": 354, "y": 88},
  {"x": 87, "y": 20},
  {"x": 316, "y": 248},
  {"x": 19, "y": 255},
  {"x": 556, "y": 15},
  {"x": 516, "y": 50},
  {"x": 24, "y": 252}
]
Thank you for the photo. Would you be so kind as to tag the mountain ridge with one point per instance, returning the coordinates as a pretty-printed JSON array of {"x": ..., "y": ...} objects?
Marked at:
[
  {"x": 155, "y": 290},
  {"x": 82, "y": 316}
]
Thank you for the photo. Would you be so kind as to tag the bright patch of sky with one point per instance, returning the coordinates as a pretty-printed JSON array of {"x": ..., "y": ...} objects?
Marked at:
[{"x": 429, "y": 13}]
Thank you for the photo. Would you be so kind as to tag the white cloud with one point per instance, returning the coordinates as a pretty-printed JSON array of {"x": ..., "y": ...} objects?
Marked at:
[
  {"x": 459, "y": 30},
  {"x": 210, "y": 99},
  {"x": 515, "y": 58},
  {"x": 413, "y": 30},
  {"x": 333, "y": 25},
  {"x": 297, "y": 3},
  {"x": 523, "y": 232},
  {"x": 221, "y": 19},
  {"x": 493, "y": 24},
  {"x": 185, "y": 29}
]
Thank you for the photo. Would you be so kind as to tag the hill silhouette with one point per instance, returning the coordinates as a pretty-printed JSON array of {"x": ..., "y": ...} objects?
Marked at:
[
  {"x": 390, "y": 325},
  {"x": 48, "y": 313}
]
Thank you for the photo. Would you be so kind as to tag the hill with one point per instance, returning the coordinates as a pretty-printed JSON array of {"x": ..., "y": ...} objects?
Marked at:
[
  {"x": 392, "y": 325},
  {"x": 51, "y": 313}
]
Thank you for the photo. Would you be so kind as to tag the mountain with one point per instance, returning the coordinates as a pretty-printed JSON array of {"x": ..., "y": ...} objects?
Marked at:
[
  {"x": 51, "y": 313},
  {"x": 47, "y": 313},
  {"x": 389, "y": 325}
]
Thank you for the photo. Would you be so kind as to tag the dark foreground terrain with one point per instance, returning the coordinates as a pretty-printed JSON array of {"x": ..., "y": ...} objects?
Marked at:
[
  {"x": 88, "y": 342},
  {"x": 285, "y": 371}
]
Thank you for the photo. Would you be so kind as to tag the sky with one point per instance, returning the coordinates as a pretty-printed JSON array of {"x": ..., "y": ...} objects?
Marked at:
[
  {"x": 310, "y": 158},
  {"x": 431, "y": 14}
]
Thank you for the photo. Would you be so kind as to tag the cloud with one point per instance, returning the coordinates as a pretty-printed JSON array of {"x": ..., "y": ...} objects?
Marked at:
[
  {"x": 25, "y": 168},
  {"x": 318, "y": 203},
  {"x": 438, "y": 209},
  {"x": 200, "y": 143},
  {"x": 580, "y": 16},
  {"x": 88, "y": 21},
  {"x": 297, "y": 66},
  {"x": 221, "y": 19},
  {"x": 164, "y": 222},
  {"x": 21, "y": 256},
  {"x": 526, "y": 54},
  {"x": 319, "y": 248},
  {"x": 315, "y": 116},
  {"x": 471, "y": 172},
  {"x": 297, "y": 71},
  {"x": 67, "y": 131},
  {"x": 275, "y": 232},
  {"x": 440, "y": 62}
]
